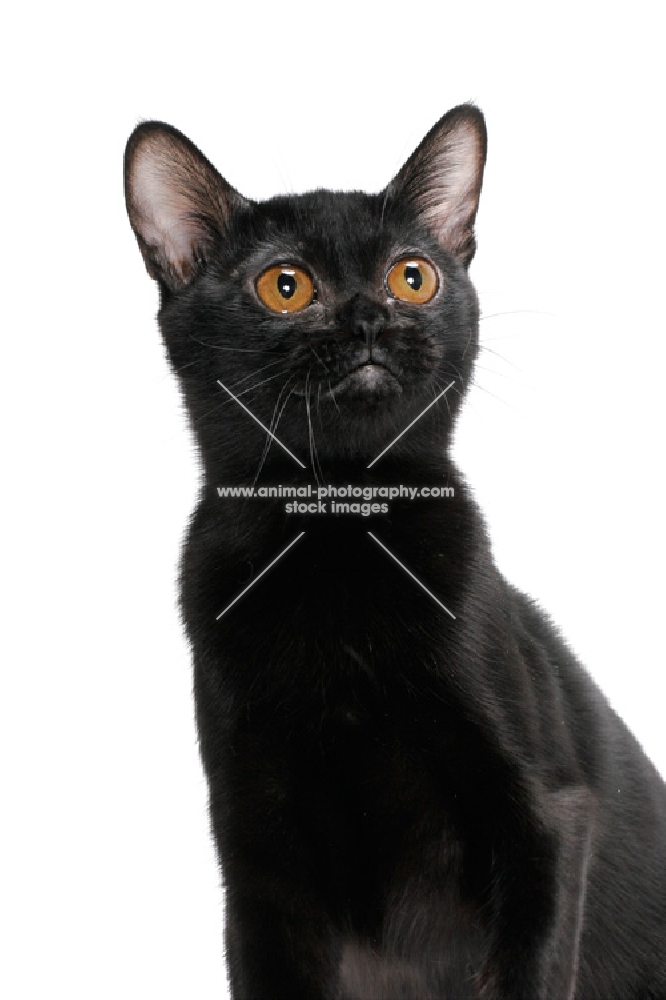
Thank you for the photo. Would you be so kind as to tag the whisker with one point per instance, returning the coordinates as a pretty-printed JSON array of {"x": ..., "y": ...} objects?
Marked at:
[
  {"x": 458, "y": 373},
  {"x": 314, "y": 457},
  {"x": 263, "y": 368},
  {"x": 437, "y": 390},
  {"x": 482, "y": 347},
  {"x": 469, "y": 341},
  {"x": 322, "y": 363},
  {"x": 256, "y": 385},
  {"x": 331, "y": 395},
  {"x": 235, "y": 350},
  {"x": 181, "y": 368},
  {"x": 227, "y": 399},
  {"x": 492, "y": 371},
  {"x": 518, "y": 312},
  {"x": 273, "y": 425},
  {"x": 477, "y": 385},
  {"x": 214, "y": 409},
  {"x": 318, "y": 407}
]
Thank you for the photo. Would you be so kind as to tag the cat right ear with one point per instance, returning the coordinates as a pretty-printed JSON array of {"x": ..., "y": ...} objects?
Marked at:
[
  {"x": 178, "y": 204},
  {"x": 441, "y": 181}
]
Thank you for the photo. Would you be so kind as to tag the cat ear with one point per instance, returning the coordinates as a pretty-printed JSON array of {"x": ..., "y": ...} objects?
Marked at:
[
  {"x": 178, "y": 204},
  {"x": 441, "y": 181}
]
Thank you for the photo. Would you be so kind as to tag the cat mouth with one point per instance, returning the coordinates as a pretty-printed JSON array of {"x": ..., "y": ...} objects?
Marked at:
[{"x": 369, "y": 379}]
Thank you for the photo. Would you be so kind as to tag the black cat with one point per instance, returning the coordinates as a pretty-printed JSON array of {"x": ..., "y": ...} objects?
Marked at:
[{"x": 415, "y": 790}]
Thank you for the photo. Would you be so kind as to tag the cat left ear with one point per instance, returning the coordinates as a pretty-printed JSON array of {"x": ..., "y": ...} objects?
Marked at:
[
  {"x": 177, "y": 202},
  {"x": 441, "y": 181}
]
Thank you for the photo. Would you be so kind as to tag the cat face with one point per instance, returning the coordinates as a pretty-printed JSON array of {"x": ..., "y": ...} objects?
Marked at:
[{"x": 337, "y": 315}]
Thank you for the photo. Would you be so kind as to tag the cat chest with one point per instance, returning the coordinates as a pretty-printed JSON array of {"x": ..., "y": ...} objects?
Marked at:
[
  {"x": 370, "y": 823},
  {"x": 370, "y": 812}
]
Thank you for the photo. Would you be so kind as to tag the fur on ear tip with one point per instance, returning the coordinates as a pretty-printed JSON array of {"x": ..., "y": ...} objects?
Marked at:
[
  {"x": 140, "y": 134},
  {"x": 466, "y": 126},
  {"x": 470, "y": 110}
]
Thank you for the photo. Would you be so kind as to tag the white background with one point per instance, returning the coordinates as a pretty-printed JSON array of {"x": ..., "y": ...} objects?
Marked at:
[{"x": 110, "y": 887}]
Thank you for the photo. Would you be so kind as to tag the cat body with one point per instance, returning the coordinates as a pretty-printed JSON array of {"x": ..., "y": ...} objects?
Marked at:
[{"x": 416, "y": 791}]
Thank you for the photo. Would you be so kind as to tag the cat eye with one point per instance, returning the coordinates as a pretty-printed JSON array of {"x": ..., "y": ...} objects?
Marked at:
[
  {"x": 285, "y": 289},
  {"x": 413, "y": 279}
]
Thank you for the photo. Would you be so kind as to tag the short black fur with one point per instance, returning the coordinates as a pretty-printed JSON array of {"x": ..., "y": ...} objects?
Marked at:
[{"x": 404, "y": 804}]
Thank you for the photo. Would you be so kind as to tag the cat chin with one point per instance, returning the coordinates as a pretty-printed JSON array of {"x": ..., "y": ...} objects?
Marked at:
[{"x": 367, "y": 382}]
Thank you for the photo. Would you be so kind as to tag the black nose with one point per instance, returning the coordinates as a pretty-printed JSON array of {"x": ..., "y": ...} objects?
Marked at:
[{"x": 365, "y": 320}]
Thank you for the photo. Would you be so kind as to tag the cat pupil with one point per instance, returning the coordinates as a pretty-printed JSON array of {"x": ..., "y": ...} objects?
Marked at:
[
  {"x": 286, "y": 285},
  {"x": 413, "y": 277}
]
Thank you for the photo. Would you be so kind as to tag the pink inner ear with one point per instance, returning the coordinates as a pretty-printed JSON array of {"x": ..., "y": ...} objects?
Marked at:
[
  {"x": 450, "y": 204},
  {"x": 164, "y": 216},
  {"x": 441, "y": 180}
]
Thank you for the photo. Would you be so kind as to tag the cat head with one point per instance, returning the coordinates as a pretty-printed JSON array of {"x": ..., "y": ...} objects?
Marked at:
[{"x": 340, "y": 315}]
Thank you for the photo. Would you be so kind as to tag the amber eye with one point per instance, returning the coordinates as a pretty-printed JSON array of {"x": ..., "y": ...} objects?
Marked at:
[
  {"x": 412, "y": 279},
  {"x": 285, "y": 289}
]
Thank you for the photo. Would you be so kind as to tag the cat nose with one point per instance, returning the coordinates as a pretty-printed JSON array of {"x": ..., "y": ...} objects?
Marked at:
[{"x": 365, "y": 319}]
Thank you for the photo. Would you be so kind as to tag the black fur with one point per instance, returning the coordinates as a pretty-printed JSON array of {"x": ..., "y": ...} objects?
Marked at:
[{"x": 404, "y": 804}]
